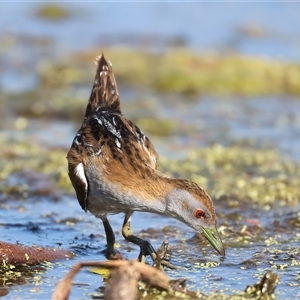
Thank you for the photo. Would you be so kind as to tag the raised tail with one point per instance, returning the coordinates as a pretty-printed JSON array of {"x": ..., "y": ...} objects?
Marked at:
[{"x": 104, "y": 95}]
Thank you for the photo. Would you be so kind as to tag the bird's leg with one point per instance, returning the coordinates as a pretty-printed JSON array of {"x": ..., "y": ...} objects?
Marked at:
[
  {"x": 111, "y": 253},
  {"x": 146, "y": 247}
]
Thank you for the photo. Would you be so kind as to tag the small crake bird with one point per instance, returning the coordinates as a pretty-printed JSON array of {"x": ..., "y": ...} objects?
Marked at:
[{"x": 112, "y": 166}]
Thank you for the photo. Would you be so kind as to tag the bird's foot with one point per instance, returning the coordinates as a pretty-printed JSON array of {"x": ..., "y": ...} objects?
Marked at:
[
  {"x": 160, "y": 258},
  {"x": 113, "y": 254}
]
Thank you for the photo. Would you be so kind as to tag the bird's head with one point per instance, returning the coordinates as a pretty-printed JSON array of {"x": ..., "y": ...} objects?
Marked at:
[{"x": 190, "y": 204}]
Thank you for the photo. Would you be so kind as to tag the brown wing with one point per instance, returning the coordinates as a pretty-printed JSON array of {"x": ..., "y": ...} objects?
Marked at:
[
  {"x": 112, "y": 132},
  {"x": 105, "y": 132},
  {"x": 147, "y": 146}
]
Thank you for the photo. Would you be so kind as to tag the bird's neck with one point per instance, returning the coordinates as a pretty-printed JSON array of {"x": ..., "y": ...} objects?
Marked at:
[{"x": 160, "y": 194}]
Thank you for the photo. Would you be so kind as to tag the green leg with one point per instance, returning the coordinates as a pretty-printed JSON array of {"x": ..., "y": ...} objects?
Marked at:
[{"x": 145, "y": 246}]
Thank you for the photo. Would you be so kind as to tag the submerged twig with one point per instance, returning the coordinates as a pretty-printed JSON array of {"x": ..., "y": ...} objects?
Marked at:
[{"x": 163, "y": 257}]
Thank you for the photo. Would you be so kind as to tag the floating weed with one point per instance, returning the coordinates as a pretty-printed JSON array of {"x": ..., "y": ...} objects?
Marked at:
[
  {"x": 36, "y": 104},
  {"x": 240, "y": 173},
  {"x": 231, "y": 175},
  {"x": 22, "y": 274},
  {"x": 236, "y": 176},
  {"x": 44, "y": 170},
  {"x": 52, "y": 12},
  {"x": 207, "y": 264},
  {"x": 157, "y": 127},
  {"x": 182, "y": 71},
  {"x": 104, "y": 273}
]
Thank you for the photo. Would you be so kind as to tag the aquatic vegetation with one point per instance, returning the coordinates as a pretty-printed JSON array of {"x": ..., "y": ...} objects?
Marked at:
[
  {"x": 52, "y": 12},
  {"x": 43, "y": 172},
  {"x": 238, "y": 173},
  {"x": 245, "y": 181},
  {"x": 255, "y": 188},
  {"x": 241, "y": 174},
  {"x": 182, "y": 71},
  {"x": 158, "y": 127}
]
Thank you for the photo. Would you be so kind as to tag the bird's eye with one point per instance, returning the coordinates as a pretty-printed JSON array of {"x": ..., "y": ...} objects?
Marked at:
[{"x": 199, "y": 213}]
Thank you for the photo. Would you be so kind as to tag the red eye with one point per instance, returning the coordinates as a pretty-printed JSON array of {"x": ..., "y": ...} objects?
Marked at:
[{"x": 199, "y": 213}]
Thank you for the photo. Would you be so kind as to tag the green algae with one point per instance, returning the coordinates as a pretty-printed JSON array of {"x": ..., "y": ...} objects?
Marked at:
[
  {"x": 234, "y": 175},
  {"x": 181, "y": 71},
  {"x": 241, "y": 177},
  {"x": 36, "y": 104},
  {"x": 52, "y": 12},
  {"x": 237, "y": 173},
  {"x": 35, "y": 170},
  {"x": 158, "y": 127},
  {"x": 207, "y": 167},
  {"x": 11, "y": 275},
  {"x": 241, "y": 174}
]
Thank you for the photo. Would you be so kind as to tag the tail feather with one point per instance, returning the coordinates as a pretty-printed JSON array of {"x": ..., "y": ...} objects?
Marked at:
[{"x": 104, "y": 95}]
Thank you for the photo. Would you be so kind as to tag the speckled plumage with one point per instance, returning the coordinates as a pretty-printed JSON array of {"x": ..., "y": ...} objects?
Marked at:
[{"x": 112, "y": 166}]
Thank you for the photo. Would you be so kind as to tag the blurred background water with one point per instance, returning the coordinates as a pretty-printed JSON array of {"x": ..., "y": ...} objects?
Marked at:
[
  {"x": 269, "y": 29},
  {"x": 30, "y": 37}
]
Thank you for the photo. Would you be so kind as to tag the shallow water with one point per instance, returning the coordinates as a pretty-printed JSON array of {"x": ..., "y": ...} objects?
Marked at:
[
  {"x": 59, "y": 221},
  {"x": 256, "y": 237}
]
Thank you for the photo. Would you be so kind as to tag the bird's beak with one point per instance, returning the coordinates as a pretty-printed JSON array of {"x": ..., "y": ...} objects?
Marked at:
[{"x": 213, "y": 237}]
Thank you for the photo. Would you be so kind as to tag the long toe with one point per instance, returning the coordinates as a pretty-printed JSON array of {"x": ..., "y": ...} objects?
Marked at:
[
  {"x": 158, "y": 260},
  {"x": 146, "y": 249}
]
